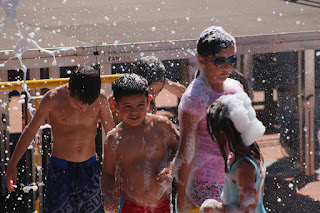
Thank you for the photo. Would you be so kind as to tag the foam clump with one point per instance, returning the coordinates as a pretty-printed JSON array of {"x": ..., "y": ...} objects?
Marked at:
[{"x": 243, "y": 116}]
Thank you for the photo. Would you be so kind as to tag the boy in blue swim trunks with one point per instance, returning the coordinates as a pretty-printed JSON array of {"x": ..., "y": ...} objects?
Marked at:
[
  {"x": 73, "y": 111},
  {"x": 139, "y": 152}
]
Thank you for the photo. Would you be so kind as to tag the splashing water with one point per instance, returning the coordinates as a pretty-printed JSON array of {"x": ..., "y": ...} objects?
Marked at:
[{"x": 24, "y": 44}]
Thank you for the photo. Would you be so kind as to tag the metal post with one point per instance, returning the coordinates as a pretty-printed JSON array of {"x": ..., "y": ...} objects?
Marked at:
[
  {"x": 247, "y": 72},
  {"x": 309, "y": 110},
  {"x": 306, "y": 87},
  {"x": 300, "y": 108}
]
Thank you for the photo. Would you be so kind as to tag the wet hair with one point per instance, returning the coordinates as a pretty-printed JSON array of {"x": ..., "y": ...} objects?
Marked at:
[
  {"x": 212, "y": 40},
  {"x": 85, "y": 84},
  {"x": 129, "y": 84},
  {"x": 224, "y": 132},
  {"x": 151, "y": 68}
]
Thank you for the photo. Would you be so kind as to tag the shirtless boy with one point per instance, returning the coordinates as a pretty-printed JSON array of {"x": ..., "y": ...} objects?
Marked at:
[
  {"x": 73, "y": 111},
  {"x": 140, "y": 151}
]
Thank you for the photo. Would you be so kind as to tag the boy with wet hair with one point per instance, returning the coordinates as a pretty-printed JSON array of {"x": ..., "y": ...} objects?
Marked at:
[
  {"x": 88, "y": 90},
  {"x": 73, "y": 110},
  {"x": 139, "y": 152},
  {"x": 153, "y": 70}
]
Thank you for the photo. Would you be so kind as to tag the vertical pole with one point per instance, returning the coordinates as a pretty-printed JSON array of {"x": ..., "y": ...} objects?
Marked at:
[
  {"x": 247, "y": 72},
  {"x": 38, "y": 164},
  {"x": 309, "y": 110},
  {"x": 300, "y": 108}
]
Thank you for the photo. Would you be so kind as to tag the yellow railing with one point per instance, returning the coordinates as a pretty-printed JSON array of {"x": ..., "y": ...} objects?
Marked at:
[
  {"x": 33, "y": 84},
  {"x": 36, "y": 84}
]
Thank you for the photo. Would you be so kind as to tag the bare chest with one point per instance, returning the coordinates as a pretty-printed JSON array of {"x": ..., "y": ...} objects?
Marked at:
[
  {"x": 140, "y": 148},
  {"x": 66, "y": 116}
]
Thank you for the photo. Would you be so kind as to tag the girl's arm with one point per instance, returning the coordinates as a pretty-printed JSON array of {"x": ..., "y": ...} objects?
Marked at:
[
  {"x": 245, "y": 178},
  {"x": 188, "y": 141}
]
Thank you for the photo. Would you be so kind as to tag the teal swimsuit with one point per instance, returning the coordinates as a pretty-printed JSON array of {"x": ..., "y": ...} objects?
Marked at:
[{"x": 230, "y": 193}]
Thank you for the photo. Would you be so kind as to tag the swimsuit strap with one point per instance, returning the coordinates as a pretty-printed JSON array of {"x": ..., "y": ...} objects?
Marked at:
[
  {"x": 256, "y": 168},
  {"x": 233, "y": 167}
]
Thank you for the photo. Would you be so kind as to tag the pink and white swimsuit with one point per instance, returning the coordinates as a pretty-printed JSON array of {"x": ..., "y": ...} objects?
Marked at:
[{"x": 207, "y": 175}]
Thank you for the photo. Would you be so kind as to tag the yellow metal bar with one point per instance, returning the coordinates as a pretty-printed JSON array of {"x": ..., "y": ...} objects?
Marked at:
[{"x": 32, "y": 84}]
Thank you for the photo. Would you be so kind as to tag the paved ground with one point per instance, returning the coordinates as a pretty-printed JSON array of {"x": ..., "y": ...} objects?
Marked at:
[
  {"x": 286, "y": 189},
  {"x": 96, "y": 22}
]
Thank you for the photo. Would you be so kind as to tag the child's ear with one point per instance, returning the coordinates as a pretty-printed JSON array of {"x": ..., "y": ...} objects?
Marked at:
[
  {"x": 201, "y": 61},
  {"x": 114, "y": 104},
  {"x": 149, "y": 99}
]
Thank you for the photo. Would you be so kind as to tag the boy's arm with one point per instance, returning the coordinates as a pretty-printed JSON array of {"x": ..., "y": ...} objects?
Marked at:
[
  {"x": 110, "y": 190},
  {"x": 26, "y": 138},
  {"x": 186, "y": 152},
  {"x": 173, "y": 143},
  {"x": 174, "y": 88},
  {"x": 105, "y": 114},
  {"x": 172, "y": 140}
]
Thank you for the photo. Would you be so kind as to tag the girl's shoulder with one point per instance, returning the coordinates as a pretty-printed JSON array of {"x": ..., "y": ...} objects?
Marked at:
[
  {"x": 197, "y": 97},
  {"x": 232, "y": 86},
  {"x": 243, "y": 170},
  {"x": 234, "y": 163}
]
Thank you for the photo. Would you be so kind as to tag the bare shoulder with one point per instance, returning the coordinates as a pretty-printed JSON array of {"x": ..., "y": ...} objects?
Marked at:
[
  {"x": 245, "y": 171},
  {"x": 103, "y": 98},
  {"x": 54, "y": 95},
  {"x": 158, "y": 119},
  {"x": 245, "y": 165},
  {"x": 103, "y": 95},
  {"x": 162, "y": 124}
]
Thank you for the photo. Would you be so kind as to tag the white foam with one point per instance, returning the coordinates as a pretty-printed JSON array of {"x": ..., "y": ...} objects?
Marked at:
[{"x": 243, "y": 116}]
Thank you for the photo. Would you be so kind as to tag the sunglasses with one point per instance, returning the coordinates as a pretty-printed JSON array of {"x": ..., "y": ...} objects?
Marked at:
[{"x": 219, "y": 61}]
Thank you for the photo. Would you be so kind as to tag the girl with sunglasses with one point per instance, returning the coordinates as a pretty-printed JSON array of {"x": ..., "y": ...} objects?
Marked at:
[
  {"x": 232, "y": 123},
  {"x": 201, "y": 166}
]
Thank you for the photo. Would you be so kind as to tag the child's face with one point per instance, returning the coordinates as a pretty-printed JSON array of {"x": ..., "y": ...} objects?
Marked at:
[
  {"x": 132, "y": 109},
  {"x": 216, "y": 73}
]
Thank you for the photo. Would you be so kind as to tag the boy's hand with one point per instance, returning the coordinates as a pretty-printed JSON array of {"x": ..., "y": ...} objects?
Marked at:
[
  {"x": 186, "y": 206},
  {"x": 164, "y": 175},
  {"x": 109, "y": 207},
  {"x": 11, "y": 178},
  {"x": 210, "y": 206}
]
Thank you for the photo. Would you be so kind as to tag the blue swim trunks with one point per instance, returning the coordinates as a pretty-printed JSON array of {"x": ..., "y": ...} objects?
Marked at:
[{"x": 73, "y": 187}]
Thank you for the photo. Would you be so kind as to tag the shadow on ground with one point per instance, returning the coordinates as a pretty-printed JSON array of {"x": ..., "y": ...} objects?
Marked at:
[{"x": 283, "y": 181}]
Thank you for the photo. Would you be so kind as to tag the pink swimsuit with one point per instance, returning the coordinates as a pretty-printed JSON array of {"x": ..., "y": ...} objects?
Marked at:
[{"x": 207, "y": 174}]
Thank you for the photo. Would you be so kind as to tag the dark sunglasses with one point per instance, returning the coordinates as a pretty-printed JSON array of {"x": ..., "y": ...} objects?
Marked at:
[{"x": 219, "y": 61}]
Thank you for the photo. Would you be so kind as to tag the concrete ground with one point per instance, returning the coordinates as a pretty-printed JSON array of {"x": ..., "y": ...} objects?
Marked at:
[
  {"x": 286, "y": 188},
  {"x": 89, "y": 23}
]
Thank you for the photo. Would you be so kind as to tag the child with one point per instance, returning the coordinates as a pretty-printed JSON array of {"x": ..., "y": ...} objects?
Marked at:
[
  {"x": 140, "y": 151},
  {"x": 73, "y": 110},
  {"x": 232, "y": 122},
  {"x": 201, "y": 171},
  {"x": 153, "y": 70}
]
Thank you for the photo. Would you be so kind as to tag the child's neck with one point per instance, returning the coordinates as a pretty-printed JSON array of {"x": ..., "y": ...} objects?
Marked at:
[{"x": 217, "y": 86}]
